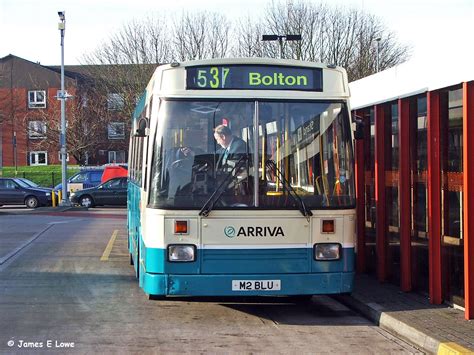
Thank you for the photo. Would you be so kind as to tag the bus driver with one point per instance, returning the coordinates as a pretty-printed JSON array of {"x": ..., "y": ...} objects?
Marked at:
[{"x": 231, "y": 146}]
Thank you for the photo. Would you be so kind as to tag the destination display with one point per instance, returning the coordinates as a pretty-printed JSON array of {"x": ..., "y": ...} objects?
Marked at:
[{"x": 253, "y": 77}]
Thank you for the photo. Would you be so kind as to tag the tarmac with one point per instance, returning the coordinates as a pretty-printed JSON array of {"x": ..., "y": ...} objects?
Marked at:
[{"x": 434, "y": 329}]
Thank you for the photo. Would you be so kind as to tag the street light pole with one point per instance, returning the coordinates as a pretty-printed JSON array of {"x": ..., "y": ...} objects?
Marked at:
[
  {"x": 280, "y": 42},
  {"x": 280, "y": 38},
  {"x": 63, "y": 97}
]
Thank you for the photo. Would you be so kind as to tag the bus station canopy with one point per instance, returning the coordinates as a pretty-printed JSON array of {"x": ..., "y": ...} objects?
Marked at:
[{"x": 408, "y": 79}]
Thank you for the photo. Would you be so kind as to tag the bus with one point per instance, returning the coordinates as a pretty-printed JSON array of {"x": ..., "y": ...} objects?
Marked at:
[{"x": 241, "y": 180}]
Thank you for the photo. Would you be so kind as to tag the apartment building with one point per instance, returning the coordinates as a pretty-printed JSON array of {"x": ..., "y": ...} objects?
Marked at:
[{"x": 97, "y": 123}]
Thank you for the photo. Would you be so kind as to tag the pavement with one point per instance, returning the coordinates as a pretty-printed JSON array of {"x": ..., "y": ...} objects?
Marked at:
[{"x": 434, "y": 329}]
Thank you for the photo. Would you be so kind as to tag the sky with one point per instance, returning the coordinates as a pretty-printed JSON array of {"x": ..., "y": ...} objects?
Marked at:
[{"x": 28, "y": 28}]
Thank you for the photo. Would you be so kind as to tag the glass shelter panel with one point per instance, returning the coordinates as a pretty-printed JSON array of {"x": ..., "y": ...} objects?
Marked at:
[
  {"x": 452, "y": 166},
  {"x": 370, "y": 207},
  {"x": 420, "y": 265},
  {"x": 391, "y": 189},
  {"x": 452, "y": 185}
]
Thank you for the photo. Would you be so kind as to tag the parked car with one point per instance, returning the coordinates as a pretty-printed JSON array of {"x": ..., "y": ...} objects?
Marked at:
[
  {"x": 14, "y": 191},
  {"x": 85, "y": 178},
  {"x": 111, "y": 192},
  {"x": 29, "y": 182}
]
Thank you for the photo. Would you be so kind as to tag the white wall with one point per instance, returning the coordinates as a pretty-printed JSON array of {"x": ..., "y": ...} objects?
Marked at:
[{"x": 408, "y": 79}]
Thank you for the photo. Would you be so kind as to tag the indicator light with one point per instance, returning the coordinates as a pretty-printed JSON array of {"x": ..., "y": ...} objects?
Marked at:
[
  {"x": 181, "y": 227},
  {"x": 327, "y": 226}
]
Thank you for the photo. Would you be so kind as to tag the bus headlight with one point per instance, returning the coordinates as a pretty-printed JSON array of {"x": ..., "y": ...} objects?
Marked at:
[
  {"x": 327, "y": 251},
  {"x": 181, "y": 252}
]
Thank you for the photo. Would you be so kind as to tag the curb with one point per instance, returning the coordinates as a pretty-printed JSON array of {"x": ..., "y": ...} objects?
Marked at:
[
  {"x": 402, "y": 330},
  {"x": 451, "y": 348}
]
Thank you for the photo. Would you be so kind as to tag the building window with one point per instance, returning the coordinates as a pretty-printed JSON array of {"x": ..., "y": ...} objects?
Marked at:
[
  {"x": 115, "y": 102},
  {"x": 37, "y": 99},
  {"x": 36, "y": 129},
  {"x": 116, "y": 130},
  {"x": 117, "y": 157},
  {"x": 38, "y": 158}
]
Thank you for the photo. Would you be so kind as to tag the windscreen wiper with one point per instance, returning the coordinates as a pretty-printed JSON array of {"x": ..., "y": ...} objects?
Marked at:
[
  {"x": 305, "y": 211},
  {"x": 209, "y": 205}
]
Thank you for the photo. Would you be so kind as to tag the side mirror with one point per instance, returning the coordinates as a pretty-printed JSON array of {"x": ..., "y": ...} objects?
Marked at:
[
  {"x": 142, "y": 129},
  {"x": 359, "y": 129}
]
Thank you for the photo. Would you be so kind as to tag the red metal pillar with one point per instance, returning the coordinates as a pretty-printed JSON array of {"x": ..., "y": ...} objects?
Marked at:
[
  {"x": 468, "y": 197},
  {"x": 404, "y": 187},
  {"x": 381, "y": 221},
  {"x": 360, "y": 201},
  {"x": 434, "y": 195}
]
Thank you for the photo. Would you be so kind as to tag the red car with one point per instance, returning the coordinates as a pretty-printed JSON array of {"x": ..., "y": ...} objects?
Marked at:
[{"x": 113, "y": 171}]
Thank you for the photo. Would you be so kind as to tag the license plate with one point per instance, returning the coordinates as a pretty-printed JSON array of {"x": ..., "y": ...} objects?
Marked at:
[{"x": 256, "y": 285}]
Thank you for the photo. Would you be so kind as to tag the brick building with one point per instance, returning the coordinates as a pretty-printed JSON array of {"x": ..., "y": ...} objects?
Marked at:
[{"x": 30, "y": 115}]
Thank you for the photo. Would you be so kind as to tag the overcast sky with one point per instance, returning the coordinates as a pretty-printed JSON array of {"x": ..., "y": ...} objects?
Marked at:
[{"x": 28, "y": 28}]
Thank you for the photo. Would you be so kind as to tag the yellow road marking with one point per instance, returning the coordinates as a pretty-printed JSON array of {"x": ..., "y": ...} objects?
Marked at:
[
  {"x": 109, "y": 247},
  {"x": 452, "y": 349}
]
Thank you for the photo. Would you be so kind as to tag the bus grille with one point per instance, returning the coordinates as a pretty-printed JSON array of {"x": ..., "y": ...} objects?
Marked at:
[{"x": 251, "y": 261}]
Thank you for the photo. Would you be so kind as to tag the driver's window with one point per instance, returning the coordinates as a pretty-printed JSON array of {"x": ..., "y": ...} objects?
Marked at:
[
  {"x": 110, "y": 184},
  {"x": 79, "y": 177},
  {"x": 11, "y": 185},
  {"x": 190, "y": 160}
]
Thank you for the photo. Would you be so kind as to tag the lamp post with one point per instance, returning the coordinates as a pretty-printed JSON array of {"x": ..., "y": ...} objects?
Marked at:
[
  {"x": 280, "y": 38},
  {"x": 63, "y": 97},
  {"x": 377, "y": 63}
]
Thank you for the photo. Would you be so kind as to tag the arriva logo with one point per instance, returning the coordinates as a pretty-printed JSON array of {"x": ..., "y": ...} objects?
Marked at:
[{"x": 229, "y": 231}]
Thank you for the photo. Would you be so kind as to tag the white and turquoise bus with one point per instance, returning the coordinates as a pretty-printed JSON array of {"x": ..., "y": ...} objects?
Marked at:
[{"x": 274, "y": 216}]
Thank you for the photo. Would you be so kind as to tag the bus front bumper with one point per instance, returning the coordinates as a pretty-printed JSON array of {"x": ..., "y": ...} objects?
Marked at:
[{"x": 246, "y": 285}]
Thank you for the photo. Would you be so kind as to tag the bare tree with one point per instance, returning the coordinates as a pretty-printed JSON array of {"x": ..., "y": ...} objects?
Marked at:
[
  {"x": 138, "y": 42},
  {"x": 247, "y": 39},
  {"x": 200, "y": 35},
  {"x": 340, "y": 36},
  {"x": 218, "y": 37},
  {"x": 87, "y": 121},
  {"x": 126, "y": 80},
  {"x": 125, "y": 63}
]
